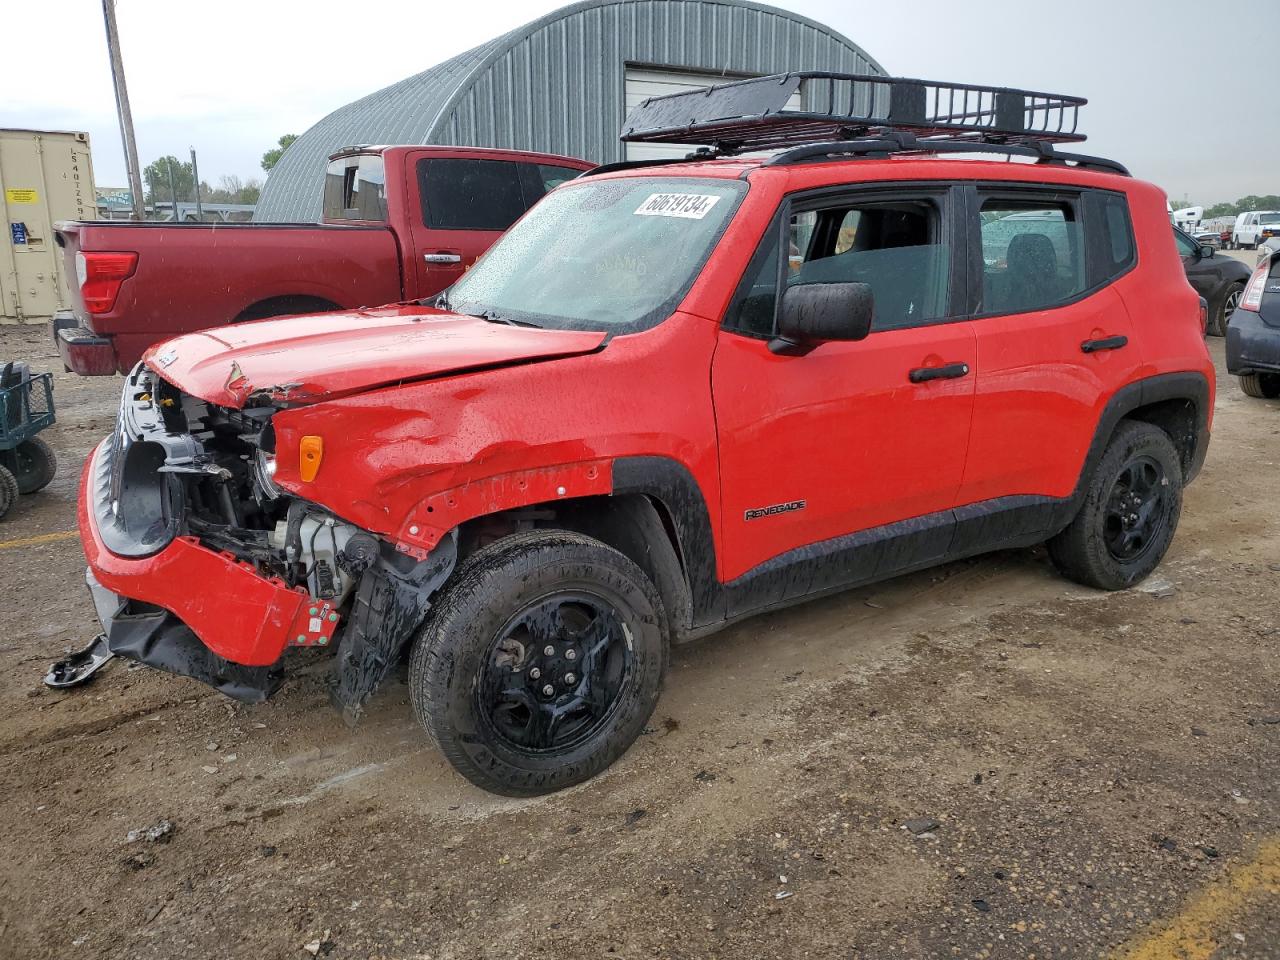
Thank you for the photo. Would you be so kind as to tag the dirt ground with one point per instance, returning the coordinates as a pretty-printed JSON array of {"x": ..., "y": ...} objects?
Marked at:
[{"x": 1102, "y": 770}]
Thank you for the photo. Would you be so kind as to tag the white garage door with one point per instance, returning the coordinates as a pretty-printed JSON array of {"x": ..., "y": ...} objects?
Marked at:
[{"x": 642, "y": 83}]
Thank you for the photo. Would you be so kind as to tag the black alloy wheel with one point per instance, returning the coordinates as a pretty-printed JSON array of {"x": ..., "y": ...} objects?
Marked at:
[
  {"x": 1128, "y": 513},
  {"x": 540, "y": 661},
  {"x": 1137, "y": 509},
  {"x": 555, "y": 672}
]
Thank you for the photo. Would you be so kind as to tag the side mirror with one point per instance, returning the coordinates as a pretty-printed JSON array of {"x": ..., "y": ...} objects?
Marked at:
[
  {"x": 813, "y": 313},
  {"x": 1206, "y": 252}
]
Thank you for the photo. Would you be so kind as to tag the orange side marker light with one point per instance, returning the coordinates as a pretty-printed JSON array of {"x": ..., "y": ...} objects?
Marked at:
[{"x": 310, "y": 453}]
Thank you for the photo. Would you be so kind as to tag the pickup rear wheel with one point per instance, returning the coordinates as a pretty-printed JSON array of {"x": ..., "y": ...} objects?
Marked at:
[
  {"x": 1264, "y": 386},
  {"x": 540, "y": 663},
  {"x": 1130, "y": 511}
]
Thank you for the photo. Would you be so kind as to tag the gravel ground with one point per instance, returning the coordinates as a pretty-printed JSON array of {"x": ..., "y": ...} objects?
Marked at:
[{"x": 979, "y": 761}]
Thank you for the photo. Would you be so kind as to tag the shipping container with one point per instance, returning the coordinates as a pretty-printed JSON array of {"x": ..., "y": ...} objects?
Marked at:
[{"x": 45, "y": 176}]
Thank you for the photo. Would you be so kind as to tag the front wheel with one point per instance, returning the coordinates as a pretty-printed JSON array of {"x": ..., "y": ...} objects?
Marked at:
[
  {"x": 1263, "y": 386},
  {"x": 1228, "y": 307},
  {"x": 1130, "y": 511},
  {"x": 541, "y": 662}
]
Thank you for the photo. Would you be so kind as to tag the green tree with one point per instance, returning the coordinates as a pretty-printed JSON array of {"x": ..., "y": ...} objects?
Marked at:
[
  {"x": 156, "y": 177},
  {"x": 1252, "y": 202},
  {"x": 272, "y": 156}
]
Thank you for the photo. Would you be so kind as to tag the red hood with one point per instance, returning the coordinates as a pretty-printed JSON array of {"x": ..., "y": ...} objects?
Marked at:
[{"x": 299, "y": 360}]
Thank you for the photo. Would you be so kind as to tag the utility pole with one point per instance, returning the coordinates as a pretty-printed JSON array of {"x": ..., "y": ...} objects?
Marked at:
[
  {"x": 195, "y": 175},
  {"x": 122, "y": 109},
  {"x": 173, "y": 189}
]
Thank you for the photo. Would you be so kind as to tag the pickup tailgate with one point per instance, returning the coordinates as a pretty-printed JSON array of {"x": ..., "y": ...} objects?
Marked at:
[{"x": 179, "y": 278}]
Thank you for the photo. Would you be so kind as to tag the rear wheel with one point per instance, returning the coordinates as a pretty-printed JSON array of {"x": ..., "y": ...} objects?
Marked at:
[
  {"x": 1264, "y": 386},
  {"x": 541, "y": 662},
  {"x": 1130, "y": 511},
  {"x": 1229, "y": 304},
  {"x": 36, "y": 465},
  {"x": 8, "y": 491}
]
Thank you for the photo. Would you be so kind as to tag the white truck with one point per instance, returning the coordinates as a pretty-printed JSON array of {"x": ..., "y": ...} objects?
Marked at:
[{"x": 1255, "y": 227}]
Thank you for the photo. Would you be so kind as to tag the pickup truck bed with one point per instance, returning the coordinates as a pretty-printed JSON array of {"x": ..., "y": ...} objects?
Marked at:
[
  {"x": 400, "y": 223},
  {"x": 258, "y": 270}
]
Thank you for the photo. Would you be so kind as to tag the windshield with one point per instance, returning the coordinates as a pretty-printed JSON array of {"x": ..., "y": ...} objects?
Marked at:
[
  {"x": 1270, "y": 218},
  {"x": 614, "y": 255}
]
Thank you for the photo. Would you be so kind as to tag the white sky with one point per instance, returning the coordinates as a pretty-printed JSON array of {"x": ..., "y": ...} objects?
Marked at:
[{"x": 1176, "y": 86}]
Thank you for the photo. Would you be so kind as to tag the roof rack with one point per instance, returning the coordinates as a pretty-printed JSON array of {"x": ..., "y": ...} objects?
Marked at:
[
  {"x": 858, "y": 115},
  {"x": 762, "y": 113}
]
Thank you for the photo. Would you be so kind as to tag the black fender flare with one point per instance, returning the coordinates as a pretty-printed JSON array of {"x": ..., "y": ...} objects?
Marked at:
[
  {"x": 1190, "y": 386},
  {"x": 672, "y": 486}
]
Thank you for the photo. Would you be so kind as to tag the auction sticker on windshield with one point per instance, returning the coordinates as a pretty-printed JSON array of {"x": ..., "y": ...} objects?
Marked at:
[{"x": 690, "y": 206}]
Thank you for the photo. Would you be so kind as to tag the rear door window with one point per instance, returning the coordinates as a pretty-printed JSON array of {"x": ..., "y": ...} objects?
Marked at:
[{"x": 1032, "y": 254}]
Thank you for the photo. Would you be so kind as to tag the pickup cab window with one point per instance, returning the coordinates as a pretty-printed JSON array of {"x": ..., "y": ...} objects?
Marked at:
[
  {"x": 355, "y": 188},
  {"x": 461, "y": 193}
]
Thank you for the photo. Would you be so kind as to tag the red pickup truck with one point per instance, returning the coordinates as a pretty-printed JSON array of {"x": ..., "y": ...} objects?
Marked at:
[{"x": 399, "y": 223}]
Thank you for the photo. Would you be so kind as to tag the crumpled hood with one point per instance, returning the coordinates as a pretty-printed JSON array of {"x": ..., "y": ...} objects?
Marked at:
[{"x": 306, "y": 359}]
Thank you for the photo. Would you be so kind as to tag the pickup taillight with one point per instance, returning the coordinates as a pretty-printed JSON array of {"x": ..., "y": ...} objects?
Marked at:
[
  {"x": 1252, "y": 299},
  {"x": 100, "y": 274}
]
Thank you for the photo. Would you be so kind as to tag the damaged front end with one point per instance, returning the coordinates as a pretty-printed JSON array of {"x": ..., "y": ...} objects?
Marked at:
[{"x": 201, "y": 565}]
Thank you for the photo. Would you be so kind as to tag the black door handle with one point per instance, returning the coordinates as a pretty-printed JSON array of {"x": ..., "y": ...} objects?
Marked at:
[
  {"x": 948, "y": 371},
  {"x": 1106, "y": 343}
]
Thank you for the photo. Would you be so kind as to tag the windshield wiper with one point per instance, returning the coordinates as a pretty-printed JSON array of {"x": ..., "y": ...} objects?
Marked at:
[{"x": 492, "y": 316}]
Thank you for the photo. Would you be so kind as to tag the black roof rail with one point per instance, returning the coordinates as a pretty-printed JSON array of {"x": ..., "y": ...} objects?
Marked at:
[{"x": 893, "y": 142}]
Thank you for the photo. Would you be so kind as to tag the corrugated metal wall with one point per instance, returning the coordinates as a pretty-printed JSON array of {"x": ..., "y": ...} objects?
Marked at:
[{"x": 557, "y": 84}]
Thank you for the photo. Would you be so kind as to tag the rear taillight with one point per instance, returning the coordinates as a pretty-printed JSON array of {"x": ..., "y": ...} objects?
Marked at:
[
  {"x": 100, "y": 275},
  {"x": 1204, "y": 316},
  {"x": 1252, "y": 299}
]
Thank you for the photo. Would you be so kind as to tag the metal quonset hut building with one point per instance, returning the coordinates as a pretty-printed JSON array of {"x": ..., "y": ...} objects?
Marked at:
[{"x": 564, "y": 84}]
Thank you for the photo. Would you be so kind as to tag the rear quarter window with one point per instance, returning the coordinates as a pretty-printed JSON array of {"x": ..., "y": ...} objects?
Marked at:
[
  {"x": 1109, "y": 236},
  {"x": 355, "y": 188}
]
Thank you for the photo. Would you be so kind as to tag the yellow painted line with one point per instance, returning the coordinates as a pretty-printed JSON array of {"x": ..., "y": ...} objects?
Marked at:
[
  {"x": 1197, "y": 931},
  {"x": 35, "y": 541}
]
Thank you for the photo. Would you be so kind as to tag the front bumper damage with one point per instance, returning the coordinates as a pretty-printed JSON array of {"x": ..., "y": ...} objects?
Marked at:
[{"x": 198, "y": 570}]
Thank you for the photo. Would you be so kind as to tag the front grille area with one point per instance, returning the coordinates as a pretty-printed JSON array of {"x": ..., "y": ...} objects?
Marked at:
[{"x": 178, "y": 466}]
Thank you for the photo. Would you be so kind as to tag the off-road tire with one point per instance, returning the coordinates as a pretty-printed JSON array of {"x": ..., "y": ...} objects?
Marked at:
[
  {"x": 456, "y": 641},
  {"x": 1080, "y": 552},
  {"x": 37, "y": 465},
  {"x": 8, "y": 491},
  {"x": 1263, "y": 386},
  {"x": 1219, "y": 326}
]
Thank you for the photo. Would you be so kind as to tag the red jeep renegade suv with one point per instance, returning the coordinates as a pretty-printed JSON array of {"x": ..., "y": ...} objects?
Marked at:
[{"x": 672, "y": 396}]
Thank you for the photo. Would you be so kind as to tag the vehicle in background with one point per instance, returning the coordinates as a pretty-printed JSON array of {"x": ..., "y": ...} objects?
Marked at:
[
  {"x": 1268, "y": 247},
  {"x": 1253, "y": 336},
  {"x": 1208, "y": 238},
  {"x": 1188, "y": 218},
  {"x": 399, "y": 223},
  {"x": 45, "y": 176},
  {"x": 1220, "y": 280},
  {"x": 673, "y": 396},
  {"x": 1253, "y": 227}
]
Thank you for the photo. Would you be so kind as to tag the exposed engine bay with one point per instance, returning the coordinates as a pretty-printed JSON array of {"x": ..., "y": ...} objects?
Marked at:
[{"x": 180, "y": 466}]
